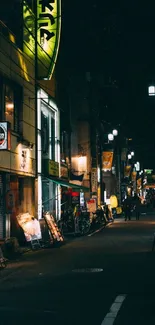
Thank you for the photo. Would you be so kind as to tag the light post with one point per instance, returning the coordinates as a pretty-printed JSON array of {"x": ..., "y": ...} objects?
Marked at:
[
  {"x": 110, "y": 137},
  {"x": 151, "y": 90},
  {"x": 118, "y": 166}
]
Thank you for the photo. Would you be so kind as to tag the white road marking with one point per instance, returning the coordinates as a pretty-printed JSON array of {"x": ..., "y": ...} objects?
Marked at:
[
  {"x": 95, "y": 232},
  {"x": 114, "y": 309},
  {"x": 98, "y": 230},
  {"x": 88, "y": 270}
]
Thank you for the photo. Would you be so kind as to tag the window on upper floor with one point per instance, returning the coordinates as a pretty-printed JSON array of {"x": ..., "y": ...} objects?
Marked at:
[
  {"x": 9, "y": 108},
  {"x": 12, "y": 105},
  {"x": 47, "y": 132}
]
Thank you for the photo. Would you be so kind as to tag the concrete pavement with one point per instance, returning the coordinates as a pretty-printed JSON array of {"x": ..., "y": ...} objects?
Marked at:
[{"x": 48, "y": 287}]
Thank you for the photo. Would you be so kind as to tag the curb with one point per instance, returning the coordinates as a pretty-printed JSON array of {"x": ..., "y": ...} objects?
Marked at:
[{"x": 100, "y": 229}]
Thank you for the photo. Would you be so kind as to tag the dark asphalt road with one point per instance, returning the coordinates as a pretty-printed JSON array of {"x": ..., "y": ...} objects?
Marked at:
[{"x": 43, "y": 289}]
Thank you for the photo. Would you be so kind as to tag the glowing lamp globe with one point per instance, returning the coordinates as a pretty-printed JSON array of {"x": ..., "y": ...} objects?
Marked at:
[
  {"x": 110, "y": 137},
  {"x": 115, "y": 132}
]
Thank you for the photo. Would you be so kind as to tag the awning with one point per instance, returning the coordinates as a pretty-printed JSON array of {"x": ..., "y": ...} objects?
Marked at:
[{"x": 77, "y": 188}]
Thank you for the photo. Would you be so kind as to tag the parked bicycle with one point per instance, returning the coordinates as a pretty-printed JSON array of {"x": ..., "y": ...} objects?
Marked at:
[
  {"x": 3, "y": 261},
  {"x": 84, "y": 223},
  {"x": 75, "y": 221}
]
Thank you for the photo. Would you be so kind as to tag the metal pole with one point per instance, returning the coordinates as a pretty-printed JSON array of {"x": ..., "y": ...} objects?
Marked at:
[
  {"x": 119, "y": 175},
  {"x": 36, "y": 87},
  {"x": 101, "y": 185}
]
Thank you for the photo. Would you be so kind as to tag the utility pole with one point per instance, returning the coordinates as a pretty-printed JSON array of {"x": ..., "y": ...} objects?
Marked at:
[{"x": 36, "y": 87}]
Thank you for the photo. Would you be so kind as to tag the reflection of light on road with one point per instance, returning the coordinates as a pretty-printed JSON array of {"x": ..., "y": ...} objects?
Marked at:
[
  {"x": 88, "y": 270},
  {"x": 27, "y": 310}
]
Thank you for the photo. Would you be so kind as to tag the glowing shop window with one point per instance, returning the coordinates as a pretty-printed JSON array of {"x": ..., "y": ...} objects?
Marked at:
[{"x": 9, "y": 105}]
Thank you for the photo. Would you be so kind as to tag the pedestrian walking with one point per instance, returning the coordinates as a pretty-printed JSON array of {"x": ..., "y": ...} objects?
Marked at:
[
  {"x": 127, "y": 204},
  {"x": 137, "y": 204}
]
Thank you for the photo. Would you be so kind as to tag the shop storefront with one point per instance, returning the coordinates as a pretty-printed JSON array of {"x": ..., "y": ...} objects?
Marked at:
[
  {"x": 48, "y": 196},
  {"x": 17, "y": 188}
]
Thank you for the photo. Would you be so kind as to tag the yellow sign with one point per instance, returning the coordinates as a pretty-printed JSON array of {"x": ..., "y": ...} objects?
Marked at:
[
  {"x": 127, "y": 170},
  {"x": 48, "y": 35},
  {"x": 107, "y": 159},
  {"x": 133, "y": 176},
  {"x": 139, "y": 182},
  {"x": 113, "y": 201},
  {"x": 48, "y": 15},
  {"x": 28, "y": 31},
  {"x": 53, "y": 168}
]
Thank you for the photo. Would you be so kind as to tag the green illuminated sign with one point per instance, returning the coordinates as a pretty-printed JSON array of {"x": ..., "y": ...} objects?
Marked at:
[
  {"x": 28, "y": 31},
  {"x": 48, "y": 34},
  {"x": 148, "y": 171}
]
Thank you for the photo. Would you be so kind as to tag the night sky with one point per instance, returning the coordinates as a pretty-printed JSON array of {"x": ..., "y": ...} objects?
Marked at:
[{"x": 118, "y": 40}]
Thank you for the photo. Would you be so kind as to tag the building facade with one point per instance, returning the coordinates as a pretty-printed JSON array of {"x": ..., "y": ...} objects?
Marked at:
[
  {"x": 29, "y": 116},
  {"x": 17, "y": 131}
]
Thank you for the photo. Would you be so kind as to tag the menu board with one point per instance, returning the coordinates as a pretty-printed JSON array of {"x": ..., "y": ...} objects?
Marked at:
[
  {"x": 30, "y": 226},
  {"x": 53, "y": 228}
]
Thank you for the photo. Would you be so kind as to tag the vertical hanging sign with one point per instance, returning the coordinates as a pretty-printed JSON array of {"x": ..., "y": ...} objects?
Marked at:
[
  {"x": 47, "y": 17},
  {"x": 48, "y": 36}
]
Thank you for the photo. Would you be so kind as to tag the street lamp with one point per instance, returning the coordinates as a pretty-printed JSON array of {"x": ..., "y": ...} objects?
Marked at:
[
  {"x": 132, "y": 153},
  {"x": 115, "y": 132},
  {"x": 110, "y": 137},
  {"x": 137, "y": 166},
  {"x": 151, "y": 90},
  {"x": 129, "y": 156}
]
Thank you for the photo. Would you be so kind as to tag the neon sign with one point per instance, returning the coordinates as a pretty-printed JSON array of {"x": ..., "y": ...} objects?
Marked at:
[{"x": 48, "y": 34}]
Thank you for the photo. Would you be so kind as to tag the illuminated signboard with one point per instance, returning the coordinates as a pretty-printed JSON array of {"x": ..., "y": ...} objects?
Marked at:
[
  {"x": 28, "y": 30},
  {"x": 48, "y": 34},
  {"x": 148, "y": 171},
  {"x": 4, "y": 136}
]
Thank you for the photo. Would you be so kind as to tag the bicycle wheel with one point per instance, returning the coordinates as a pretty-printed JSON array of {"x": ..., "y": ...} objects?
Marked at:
[
  {"x": 3, "y": 264},
  {"x": 84, "y": 227}
]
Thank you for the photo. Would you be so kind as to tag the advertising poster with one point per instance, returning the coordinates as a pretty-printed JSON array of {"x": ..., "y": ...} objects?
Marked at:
[
  {"x": 30, "y": 226},
  {"x": 53, "y": 228},
  {"x": 107, "y": 160}
]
